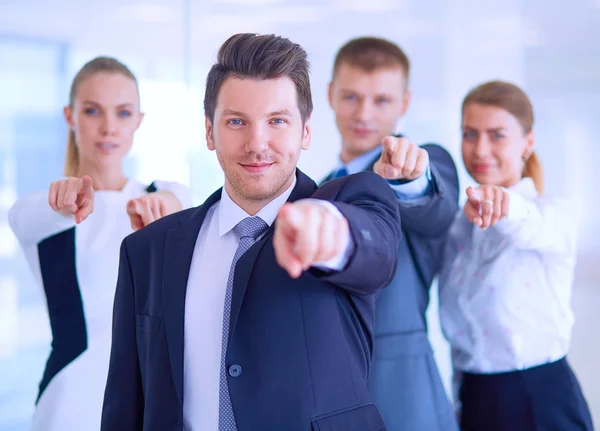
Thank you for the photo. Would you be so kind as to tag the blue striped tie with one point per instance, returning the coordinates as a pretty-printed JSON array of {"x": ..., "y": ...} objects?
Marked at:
[{"x": 248, "y": 230}]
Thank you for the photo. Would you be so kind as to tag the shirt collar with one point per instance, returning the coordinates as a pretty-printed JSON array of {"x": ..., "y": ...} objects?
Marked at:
[
  {"x": 360, "y": 163},
  {"x": 230, "y": 214}
]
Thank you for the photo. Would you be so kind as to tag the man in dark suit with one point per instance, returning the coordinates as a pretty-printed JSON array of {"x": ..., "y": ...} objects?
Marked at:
[
  {"x": 369, "y": 94},
  {"x": 254, "y": 311}
]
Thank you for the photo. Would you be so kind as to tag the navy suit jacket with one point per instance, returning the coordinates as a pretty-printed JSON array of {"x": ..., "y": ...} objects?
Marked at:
[{"x": 301, "y": 348}]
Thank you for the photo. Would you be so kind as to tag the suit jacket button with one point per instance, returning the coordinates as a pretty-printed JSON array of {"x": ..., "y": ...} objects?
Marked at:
[{"x": 235, "y": 370}]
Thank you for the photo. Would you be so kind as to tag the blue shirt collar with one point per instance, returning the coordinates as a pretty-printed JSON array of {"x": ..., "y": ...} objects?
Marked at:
[{"x": 360, "y": 163}]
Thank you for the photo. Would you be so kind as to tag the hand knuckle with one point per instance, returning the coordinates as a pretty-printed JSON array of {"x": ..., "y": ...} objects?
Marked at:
[{"x": 315, "y": 213}]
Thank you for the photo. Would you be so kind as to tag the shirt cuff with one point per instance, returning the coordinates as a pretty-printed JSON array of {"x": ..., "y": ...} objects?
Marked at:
[
  {"x": 520, "y": 212},
  {"x": 339, "y": 262},
  {"x": 415, "y": 189},
  {"x": 519, "y": 208}
]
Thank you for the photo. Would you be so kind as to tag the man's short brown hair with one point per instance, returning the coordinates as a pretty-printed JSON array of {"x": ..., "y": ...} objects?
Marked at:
[
  {"x": 371, "y": 53},
  {"x": 260, "y": 57}
]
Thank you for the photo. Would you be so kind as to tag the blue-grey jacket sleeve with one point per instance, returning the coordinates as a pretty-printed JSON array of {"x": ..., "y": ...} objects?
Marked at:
[{"x": 431, "y": 215}]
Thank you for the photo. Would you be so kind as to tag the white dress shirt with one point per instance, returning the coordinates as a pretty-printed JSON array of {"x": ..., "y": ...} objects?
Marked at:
[
  {"x": 505, "y": 292},
  {"x": 213, "y": 254}
]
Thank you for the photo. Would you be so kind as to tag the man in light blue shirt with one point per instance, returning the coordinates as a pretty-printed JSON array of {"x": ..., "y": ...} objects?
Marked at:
[{"x": 369, "y": 94}]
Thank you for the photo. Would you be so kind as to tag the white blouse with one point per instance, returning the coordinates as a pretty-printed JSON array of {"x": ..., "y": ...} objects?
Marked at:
[
  {"x": 505, "y": 292},
  {"x": 88, "y": 257}
]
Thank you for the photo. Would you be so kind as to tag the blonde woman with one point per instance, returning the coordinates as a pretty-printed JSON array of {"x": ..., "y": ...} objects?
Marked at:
[{"x": 71, "y": 235}]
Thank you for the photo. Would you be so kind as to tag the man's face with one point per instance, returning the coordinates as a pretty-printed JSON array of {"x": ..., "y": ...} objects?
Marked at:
[
  {"x": 367, "y": 105},
  {"x": 257, "y": 133}
]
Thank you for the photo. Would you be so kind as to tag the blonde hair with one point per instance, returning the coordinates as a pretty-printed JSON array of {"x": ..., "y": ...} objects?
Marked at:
[
  {"x": 512, "y": 99},
  {"x": 97, "y": 65}
]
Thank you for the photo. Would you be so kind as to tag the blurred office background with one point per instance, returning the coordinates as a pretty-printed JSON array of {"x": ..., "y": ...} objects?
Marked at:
[{"x": 549, "y": 47}]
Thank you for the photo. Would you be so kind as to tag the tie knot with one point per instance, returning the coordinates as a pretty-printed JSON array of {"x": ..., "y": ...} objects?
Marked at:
[
  {"x": 250, "y": 227},
  {"x": 340, "y": 173}
]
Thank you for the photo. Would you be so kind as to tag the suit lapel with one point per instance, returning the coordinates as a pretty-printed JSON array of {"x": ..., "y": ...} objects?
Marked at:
[
  {"x": 304, "y": 188},
  {"x": 327, "y": 178},
  {"x": 179, "y": 249}
]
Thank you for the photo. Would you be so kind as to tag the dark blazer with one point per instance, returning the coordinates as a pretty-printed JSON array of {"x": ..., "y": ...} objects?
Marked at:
[
  {"x": 404, "y": 382},
  {"x": 317, "y": 329}
]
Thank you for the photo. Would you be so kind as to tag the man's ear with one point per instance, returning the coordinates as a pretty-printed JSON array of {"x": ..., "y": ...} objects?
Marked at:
[
  {"x": 330, "y": 94},
  {"x": 406, "y": 101},
  {"x": 210, "y": 142},
  {"x": 306, "y": 135}
]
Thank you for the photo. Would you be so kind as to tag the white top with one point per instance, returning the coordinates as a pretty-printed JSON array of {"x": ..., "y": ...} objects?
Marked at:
[
  {"x": 204, "y": 304},
  {"x": 505, "y": 292},
  {"x": 96, "y": 241}
]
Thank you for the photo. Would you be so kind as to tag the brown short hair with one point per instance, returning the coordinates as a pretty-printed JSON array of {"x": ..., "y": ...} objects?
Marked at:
[
  {"x": 91, "y": 68},
  {"x": 512, "y": 99},
  {"x": 371, "y": 53},
  {"x": 253, "y": 56}
]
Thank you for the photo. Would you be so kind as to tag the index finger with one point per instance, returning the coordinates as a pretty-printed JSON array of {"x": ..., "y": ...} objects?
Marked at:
[
  {"x": 473, "y": 194},
  {"x": 84, "y": 211},
  {"x": 290, "y": 217},
  {"x": 86, "y": 184},
  {"x": 282, "y": 244},
  {"x": 389, "y": 145},
  {"x": 307, "y": 241}
]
